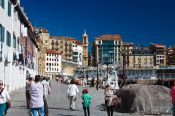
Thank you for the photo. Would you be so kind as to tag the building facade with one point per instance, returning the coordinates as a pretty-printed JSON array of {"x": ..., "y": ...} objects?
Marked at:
[
  {"x": 70, "y": 49},
  {"x": 171, "y": 56},
  {"x": 107, "y": 49},
  {"x": 43, "y": 43},
  {"x": 77, "y": 52},
  {"x": 159, "y": 52},
  {"x": 17, "y": 55},
  {"x": 140, "y": 57},
  {"x": 126, "y": 51},
  {"x": 63, "y": 45},
  {"x": 52, "y": 63}
]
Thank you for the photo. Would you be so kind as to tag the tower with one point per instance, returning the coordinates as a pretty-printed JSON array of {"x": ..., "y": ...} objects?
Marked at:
[{"x": 85, "y": 48}]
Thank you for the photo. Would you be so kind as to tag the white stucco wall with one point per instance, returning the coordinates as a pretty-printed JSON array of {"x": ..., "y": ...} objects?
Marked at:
[
  {"x": 14, "y": 76},
  {"x": 79, "y": 49}
]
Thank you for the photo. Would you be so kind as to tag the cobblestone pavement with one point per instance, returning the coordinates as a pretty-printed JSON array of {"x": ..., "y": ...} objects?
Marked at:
[{"x": 59, "y": 105}]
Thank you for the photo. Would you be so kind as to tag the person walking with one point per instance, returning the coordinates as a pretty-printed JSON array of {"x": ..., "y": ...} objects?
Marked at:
[
  {"x": 109, "y": 95},
  {"x": 172, "y": 93},
  {"x": 36, "y": 97},
  {"x": 4, "y": 99},
  {"x": 86, "y": 102},
  {"x": 84, "y": 81},
  {"x": 47, "y": 91},
  {"x": 28, "y": 84},
  {"x": 72, "y": 92},
  {"x": 92, "y": 82}
]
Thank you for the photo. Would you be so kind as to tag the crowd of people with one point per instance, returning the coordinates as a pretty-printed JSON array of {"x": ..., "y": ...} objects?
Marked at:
[
  {"x": 73, "y": 91},
  {"x": 37, "y": 92},
  {"x": 38, "y": 89}
]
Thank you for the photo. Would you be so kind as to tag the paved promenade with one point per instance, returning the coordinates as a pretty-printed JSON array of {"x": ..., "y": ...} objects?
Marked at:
[{"x": 58, "y": 103}]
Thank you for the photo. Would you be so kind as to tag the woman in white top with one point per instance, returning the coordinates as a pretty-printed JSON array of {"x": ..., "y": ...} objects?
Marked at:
[
  {"x": 4, "y": 97},
  {"x": 72, "y": 92}
]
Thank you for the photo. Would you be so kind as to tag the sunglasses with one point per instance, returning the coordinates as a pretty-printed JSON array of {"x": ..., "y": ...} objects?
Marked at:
[{"x": 1, "y": 83}]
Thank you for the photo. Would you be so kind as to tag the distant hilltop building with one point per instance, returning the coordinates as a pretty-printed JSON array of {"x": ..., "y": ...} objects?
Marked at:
[{"x": 106, "y": 49}]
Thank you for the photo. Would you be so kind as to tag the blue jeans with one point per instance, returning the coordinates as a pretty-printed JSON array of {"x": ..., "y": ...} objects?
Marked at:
[{"x": 39, "y": 110}]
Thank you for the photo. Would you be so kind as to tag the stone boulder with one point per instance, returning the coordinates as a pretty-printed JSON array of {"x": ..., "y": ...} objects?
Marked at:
[{"x": 148, "y": 99}]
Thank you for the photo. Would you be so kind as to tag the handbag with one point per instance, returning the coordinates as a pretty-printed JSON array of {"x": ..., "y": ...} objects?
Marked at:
[
  {"x": 8, "y": 105},
  {"x": 116, "y": 101}
]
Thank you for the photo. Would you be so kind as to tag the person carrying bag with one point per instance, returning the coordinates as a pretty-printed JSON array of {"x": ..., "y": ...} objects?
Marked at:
[
  {"x": 5, "y": 103},
  {"x": 109, "y": 96}
]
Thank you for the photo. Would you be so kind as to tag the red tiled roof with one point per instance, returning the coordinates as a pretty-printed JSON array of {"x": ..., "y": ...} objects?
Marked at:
[
  {"x": 158, "y": 45},
  {"x": 61, "y": 38},
  {"x": 66, "y": 39},
  {"x": 108, "y": 36},
  {"x": 50, "y": 51},
  {"x": 77, "y": 42}
]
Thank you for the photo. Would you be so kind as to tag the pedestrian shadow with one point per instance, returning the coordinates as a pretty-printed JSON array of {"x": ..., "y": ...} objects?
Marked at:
[
  {"x": 19, "y": 107},
  {"x": 101, "y": 107},
  {"x": 65, "y": 115},
  {"x": 61, "y": 109}
]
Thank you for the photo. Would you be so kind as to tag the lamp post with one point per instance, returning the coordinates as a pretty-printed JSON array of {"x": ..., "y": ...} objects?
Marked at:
[
  {"x": 124, "y": 55},
  {"x": 97, "y": 82},
  {"x": 56, "y": 61},
  {"x": 107, "y": 72}
]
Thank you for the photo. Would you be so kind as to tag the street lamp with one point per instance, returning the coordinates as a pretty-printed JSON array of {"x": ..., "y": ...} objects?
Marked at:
[
  {"x": 107, "y": 63},
  {"x": 124, "y": 62},
  {"x": 97, "y": 82}
]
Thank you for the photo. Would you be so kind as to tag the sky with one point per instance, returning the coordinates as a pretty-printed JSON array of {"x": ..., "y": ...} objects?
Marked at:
[{"x": 139, "y": 21}]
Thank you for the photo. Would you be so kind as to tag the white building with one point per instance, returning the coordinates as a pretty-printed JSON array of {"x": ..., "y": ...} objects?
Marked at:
[
  {"x": 52, "y": 63},
  {"x": 11, "y": 20},
  {"x": 77, "y": 52}
]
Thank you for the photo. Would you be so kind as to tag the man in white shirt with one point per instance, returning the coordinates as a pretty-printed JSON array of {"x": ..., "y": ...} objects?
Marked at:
[
  {"x": 36, "y": 97},
  {"x": 72, "y": 92}
]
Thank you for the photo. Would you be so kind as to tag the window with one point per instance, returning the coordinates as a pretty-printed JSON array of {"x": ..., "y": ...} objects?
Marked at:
[
  {"x": 9, "y": 9},
  {"x": 2, "y": 3},
  {"x": 75, "y": 53},
  {"x": 52, "y": 43},
  {"x": 8, "y": 39},
  {"x": 57, "y": 42},
  {"x": 14, "y": 41},
  {"x": 2, "y": 29}
]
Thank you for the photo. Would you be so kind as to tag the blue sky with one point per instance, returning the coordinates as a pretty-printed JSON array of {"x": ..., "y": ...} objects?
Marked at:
[{"x": 138, "y": 21}]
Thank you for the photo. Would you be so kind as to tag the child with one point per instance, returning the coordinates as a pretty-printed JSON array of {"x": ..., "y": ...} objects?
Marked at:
[{"x": 86, "y": 101}]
